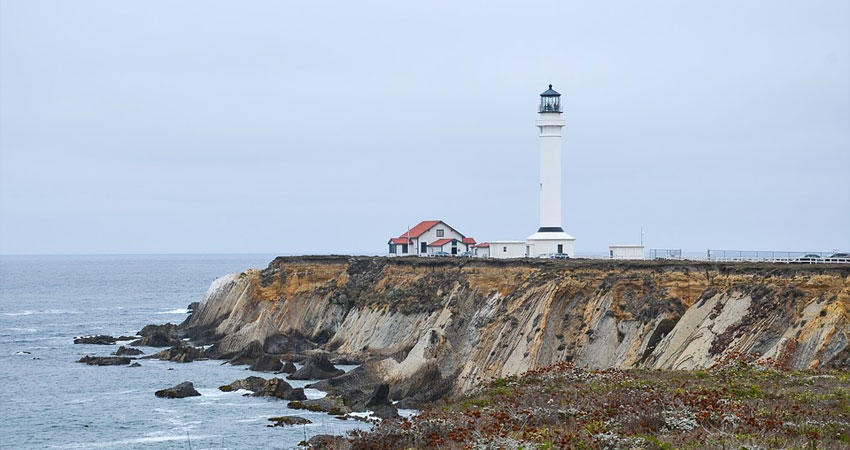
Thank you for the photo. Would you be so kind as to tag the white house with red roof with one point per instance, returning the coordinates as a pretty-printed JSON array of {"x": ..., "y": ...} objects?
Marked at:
[{"x": 430, "y": 237}]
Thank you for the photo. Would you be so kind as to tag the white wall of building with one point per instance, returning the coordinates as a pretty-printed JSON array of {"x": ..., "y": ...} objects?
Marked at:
[
  {"x": 399, "y": 250},
  {"x": 541, "y": 247},
  {"x": 481, "y": 252},
  {"x": 448, "y": 233},
  {"x": 447, "y": 247},
  {"x": 507, "y": 249},
  {"x": 625, "y": 251}
]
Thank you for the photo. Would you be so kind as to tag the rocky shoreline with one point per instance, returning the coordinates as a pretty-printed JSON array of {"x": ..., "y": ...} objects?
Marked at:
[
  {"x": 424, "y": 330},
  {"x": 316, "y": 366}
]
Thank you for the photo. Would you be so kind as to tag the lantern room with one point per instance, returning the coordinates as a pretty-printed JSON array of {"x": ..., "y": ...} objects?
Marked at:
[{"x": 550, "y": 101}]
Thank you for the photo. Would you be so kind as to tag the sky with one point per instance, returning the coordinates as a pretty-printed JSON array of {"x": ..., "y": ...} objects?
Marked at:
[{"x": 329, "y": 127}]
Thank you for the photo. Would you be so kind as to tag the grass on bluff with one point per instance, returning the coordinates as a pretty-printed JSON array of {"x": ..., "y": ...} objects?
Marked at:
[{"x": 736, "y": 405}]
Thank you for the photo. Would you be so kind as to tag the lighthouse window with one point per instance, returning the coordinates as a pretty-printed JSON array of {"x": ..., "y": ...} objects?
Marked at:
[
  {"x": 441, "y": 233},
  {"x": 504, "y": 249}
]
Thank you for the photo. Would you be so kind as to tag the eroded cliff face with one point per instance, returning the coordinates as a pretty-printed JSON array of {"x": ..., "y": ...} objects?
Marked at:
[{"x": 454, "y": 322}]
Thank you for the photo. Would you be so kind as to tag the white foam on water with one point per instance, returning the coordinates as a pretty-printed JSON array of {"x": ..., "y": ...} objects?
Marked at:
[
  {"x": 253, "y": 419},
  {"x": 20, "y": 313},
  {"x": 314, "y": 394},
  {"x": 347, "y": 367},
  {"x": 368, "y": 415},
  {"x": 163, "y": 410},
  {"x": 141, "y": 440},
  {"x": 175, "y": 311},
  {"x": 408, "y": 413},
  {"x": 215, "y": 393},
  {"x": 129, "y": 391},
  {"x": 28, "y": 312}
]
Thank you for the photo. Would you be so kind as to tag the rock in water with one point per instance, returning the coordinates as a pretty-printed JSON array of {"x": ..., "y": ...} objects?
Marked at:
[
  {"x": 127, "y": 351},
  {"x": 267, "y": 363},
  {"x": 288, "y": 367},
  {"x": 184, "y": 389},
  {"x": 252, "y": 384},
  {"x": 316, "y": 367},
  {"x": 158, "y": 336},
  {"x": 274, "y": 387},
  {"x": 326, "y": 441},
  {"x": 100, "y": 339},
  {"x": 331, "y": 404},
  {"x": 380, "y": 403},
  {"x": 180, "y": 353},
  {"x": 361, "y": 390},
  {"x": 248, "y": 355},
  {"x": 287, "y": 420},
  {"x": 105, "y": 360}
]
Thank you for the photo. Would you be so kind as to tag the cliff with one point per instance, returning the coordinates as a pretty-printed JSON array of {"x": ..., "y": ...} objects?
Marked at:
[{"x": 435, "y": 327}]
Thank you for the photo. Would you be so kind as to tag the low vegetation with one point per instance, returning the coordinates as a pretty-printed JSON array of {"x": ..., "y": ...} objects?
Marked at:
[{"x": 737, "y": 404}]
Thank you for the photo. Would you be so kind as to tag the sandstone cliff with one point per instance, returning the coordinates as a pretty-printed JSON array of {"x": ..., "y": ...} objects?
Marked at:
[{"x": 432, "y": 327}]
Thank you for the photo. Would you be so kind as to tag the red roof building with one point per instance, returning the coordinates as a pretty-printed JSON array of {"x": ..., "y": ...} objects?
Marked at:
[{"x": 428, "y": 238}]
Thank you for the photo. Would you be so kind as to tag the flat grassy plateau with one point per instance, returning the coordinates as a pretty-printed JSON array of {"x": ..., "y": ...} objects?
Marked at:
[{"x": 737, "y": 404}]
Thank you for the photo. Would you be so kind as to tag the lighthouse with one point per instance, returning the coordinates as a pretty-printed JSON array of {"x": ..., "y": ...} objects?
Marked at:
[{"x": 550, "y": 238}]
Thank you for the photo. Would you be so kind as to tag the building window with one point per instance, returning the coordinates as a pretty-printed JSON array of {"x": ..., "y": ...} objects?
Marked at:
[
  {"x": 404, "y": 248},
  {"x": 424, "y": 248},
  {"x": 441, "y": 233},
  {"x": 392, "y": 248},
  {"x": 560, "y": 248},
  {"x": 504, "y": 249}
]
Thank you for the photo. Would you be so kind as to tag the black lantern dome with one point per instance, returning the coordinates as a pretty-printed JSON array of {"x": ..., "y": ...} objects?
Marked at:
[{"x": 550, "y": 101}]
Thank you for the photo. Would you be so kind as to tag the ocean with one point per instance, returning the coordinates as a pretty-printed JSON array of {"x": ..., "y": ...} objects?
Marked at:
[{"x": 48, "y": 400}]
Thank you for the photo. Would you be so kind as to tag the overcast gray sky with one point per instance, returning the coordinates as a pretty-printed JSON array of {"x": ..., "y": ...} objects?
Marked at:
[{"x": 318, "y": 127}]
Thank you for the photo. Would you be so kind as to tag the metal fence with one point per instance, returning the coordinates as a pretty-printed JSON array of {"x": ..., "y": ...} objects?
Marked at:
[
  {"x": 810, "y": 257},
  {"x": 665, "y": 253}
]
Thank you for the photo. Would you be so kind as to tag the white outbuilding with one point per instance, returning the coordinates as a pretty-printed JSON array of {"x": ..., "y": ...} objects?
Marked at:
[
  {"x": 507, "y": 249},
  {"x": 625, "y": 251}
]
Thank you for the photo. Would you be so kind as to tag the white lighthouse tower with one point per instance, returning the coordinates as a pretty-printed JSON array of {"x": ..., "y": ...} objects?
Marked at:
[{"x": 550, "y": 238}]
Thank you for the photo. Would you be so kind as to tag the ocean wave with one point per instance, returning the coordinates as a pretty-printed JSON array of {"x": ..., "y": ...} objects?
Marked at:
[
  {"x": 128, "y": 391},
  {"x": 216, "y": 393},
  {"x": 175, "y": 311},
  {"x": 20, "y": 313},
  {"x": 29, "y": 312},
  {"x": 20, "y": 330},
  {"x": 141, "y": 440}
]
